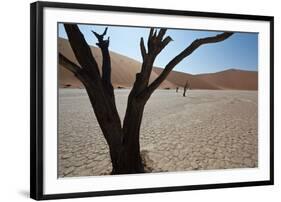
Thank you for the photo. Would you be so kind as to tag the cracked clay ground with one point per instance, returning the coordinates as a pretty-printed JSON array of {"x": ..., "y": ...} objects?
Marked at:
[{"x": 208, "y": 129}]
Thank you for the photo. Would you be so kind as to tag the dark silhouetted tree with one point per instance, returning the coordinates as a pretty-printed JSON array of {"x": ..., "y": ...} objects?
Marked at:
[
  {"x": 186, "y": 86},
  {"x": 123, "y": 140}
]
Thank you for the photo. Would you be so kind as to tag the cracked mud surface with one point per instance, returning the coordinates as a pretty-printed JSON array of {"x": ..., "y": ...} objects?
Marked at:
[{"x": 208, "y": 129}]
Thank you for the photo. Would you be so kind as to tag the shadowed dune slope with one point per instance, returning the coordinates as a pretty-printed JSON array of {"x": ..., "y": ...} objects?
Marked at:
[{"x": 124, "y": 71}]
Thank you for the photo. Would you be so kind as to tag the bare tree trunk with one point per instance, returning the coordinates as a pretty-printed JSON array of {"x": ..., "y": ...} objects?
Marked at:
[
  {"x": 186, "y": 86},
  {"x": 131, "y": 129},
  {"x": 123, "y": 142}
]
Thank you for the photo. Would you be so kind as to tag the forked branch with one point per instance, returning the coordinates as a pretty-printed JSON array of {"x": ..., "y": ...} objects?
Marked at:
[
  {"x": 106, "y": 61},
  {"x": 155, "y": 44},
  {"x": 101, "y": 42}
]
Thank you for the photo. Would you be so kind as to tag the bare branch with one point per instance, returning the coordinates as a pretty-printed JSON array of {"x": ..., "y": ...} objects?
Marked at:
[
  {"x": 186, "y": 52},
  {"x": 101, "y": 42},
  {"x": 104, "y": 33},
  {"x": 161, "y": 33},
  {"x": 151, "y": 33},
  {"x": 106, "y": 61},
  {"x": 143, "y": 51},
  {"x": 155, "y": 44},
  {"x": 165, "y": 42},
  {"x": 100, "y": 36},
  {"x": 154, "y": 34},
  {"x": 82, "y": 50},
  {"x": 66, "y": 63},
  {"x": 150, "y": 37}
]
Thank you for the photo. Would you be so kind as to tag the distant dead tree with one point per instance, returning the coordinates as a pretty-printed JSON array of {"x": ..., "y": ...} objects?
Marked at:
[
  {"x": 186, "y": 86},
  {"x": 123, "y": 139}
]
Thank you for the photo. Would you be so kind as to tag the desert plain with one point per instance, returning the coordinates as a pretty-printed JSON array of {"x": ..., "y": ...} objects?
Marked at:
[{"x": 208, "y": 129}]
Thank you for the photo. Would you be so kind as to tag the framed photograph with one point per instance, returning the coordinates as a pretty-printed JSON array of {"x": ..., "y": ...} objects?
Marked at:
[{"x": 136, "y": 100}]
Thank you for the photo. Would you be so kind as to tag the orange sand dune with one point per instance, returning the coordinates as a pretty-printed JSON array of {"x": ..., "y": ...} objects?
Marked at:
[
  {"x": 180, "y": 78},
  {"x": 232, "y": 79},
  {"x": 124, "y": 71},
  {"x": 229, "y": 79}
]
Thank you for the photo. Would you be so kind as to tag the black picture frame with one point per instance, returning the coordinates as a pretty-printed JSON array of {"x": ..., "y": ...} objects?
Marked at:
[{"x": 36, "y": 98}]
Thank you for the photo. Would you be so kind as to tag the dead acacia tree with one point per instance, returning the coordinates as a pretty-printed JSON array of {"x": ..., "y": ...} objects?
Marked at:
[
  {"x": 123, "y": 140},
  {"x": 186, "y": 86}
]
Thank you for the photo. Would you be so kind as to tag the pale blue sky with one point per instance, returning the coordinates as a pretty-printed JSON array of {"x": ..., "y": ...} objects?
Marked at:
[{"x": 240, "y": 51}]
